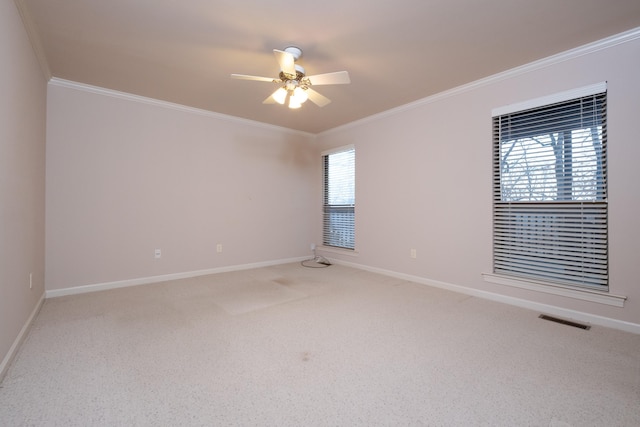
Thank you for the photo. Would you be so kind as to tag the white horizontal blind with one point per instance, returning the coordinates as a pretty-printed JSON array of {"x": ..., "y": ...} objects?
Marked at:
[
  {"x": 338, "y": 228},
  {"x": 550, "y": 193}
]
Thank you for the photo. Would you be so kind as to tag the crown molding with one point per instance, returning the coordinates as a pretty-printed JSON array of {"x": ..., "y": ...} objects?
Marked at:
[
  {"x": 54, "y": 81},
  {"x": 587, "y": 49},
  {"x": 34, "y": 38}
]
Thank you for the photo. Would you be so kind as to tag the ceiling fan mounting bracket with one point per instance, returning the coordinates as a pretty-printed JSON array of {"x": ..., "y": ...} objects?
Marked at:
[{"x": 295, "y": 51}]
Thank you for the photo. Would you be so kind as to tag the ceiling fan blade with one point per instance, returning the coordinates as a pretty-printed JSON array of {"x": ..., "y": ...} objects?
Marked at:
[
  {"x": 316, "y": 98},
  {"x": 286, "y": 61},
  {"x": 336, "y": 78},
  {"x": 256, "y": 78}
]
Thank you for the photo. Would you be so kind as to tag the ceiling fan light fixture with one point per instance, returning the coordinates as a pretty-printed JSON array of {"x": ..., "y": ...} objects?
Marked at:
[
  {"x": 300, "y": 95},
  {"x": 280, "y": 95},
  {"x": 294, "y": 103}
]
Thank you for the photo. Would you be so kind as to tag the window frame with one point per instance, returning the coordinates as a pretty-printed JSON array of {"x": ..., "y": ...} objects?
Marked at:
[
  {"x": 528, "y": 279},
  {"x": 329, "y": 227}
]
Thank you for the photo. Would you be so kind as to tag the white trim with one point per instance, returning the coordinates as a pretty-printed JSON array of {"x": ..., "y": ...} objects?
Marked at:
[
  {"x": 338, "y": 149},
  {"x": 565, "y": 291},
  {"x": 13, "y": 350},
  {"x": 587, "y": 49},
  {"x": 170, "y": 105},
  {"x": 337, "y": 251},
  {"x": 53, "y": 293},
  {"x": 529, "y": 305},
  {"x": 551, "y": 99}
]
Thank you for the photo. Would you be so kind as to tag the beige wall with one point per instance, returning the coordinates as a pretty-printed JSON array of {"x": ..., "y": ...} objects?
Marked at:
[
  {"x": 423, "y": 178},
  {"x": 126, "y": 177},
  {"x": 22, "y": 185}
]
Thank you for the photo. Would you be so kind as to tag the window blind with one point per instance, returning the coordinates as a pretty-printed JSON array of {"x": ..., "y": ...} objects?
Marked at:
[
  {"x": 338, "y": 227},
  {"x": 550, "y": 193}
]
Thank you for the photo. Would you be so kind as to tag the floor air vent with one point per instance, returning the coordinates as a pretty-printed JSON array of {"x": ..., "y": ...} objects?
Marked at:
[{"x": 565, "y": 322}]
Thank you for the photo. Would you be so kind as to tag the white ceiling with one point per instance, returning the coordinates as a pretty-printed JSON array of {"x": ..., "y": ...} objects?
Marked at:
[{"x": 396, "y": 52}]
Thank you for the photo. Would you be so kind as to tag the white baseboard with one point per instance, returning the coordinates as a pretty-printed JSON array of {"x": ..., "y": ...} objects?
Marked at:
[
  {"x": 13, "y": 350},
  {"x": 530, "y": 305},
  {"x": 568, "y": 314},
  {"x": 163, "y": 278}
]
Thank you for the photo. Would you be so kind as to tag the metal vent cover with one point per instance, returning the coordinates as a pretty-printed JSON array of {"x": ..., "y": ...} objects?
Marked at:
[{"x": 565, "y": 322}]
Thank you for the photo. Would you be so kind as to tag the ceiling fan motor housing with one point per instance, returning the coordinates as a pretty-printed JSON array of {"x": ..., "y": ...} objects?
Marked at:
[{"x": 299, "y": 74}]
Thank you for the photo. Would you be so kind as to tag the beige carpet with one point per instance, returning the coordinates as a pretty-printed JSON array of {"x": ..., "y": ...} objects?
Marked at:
[{"x": 293, "y": 346}]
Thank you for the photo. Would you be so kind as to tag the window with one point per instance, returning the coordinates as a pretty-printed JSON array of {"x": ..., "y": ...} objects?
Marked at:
[
  {"x": 339, "y": 198},
  {"x": 550, "y": 191}
]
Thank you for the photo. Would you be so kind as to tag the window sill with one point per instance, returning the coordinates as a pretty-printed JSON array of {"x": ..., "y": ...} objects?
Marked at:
[
  {"x": 338, "y": 251},
  {"x": 565, "y": 291}
]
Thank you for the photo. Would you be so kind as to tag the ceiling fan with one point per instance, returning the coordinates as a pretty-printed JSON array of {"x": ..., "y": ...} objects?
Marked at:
[{"x": 295, "y": 86}]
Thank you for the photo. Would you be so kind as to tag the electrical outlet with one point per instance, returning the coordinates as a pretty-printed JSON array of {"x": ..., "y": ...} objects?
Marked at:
[
  {"x": 157, "y": 253},
  {"x": 413, "y": 254},
  {"x": 313, "y": 246},
  {"x": 219, "y": 248},
  {"x": 30, "y": 280}
]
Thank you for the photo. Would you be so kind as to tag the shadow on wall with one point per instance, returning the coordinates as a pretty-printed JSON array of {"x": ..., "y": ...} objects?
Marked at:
[{"x": 290, "y": 150}]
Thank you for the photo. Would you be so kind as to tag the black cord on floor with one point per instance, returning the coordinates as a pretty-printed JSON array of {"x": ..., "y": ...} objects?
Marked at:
[{"x": 317, "y": 265}]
